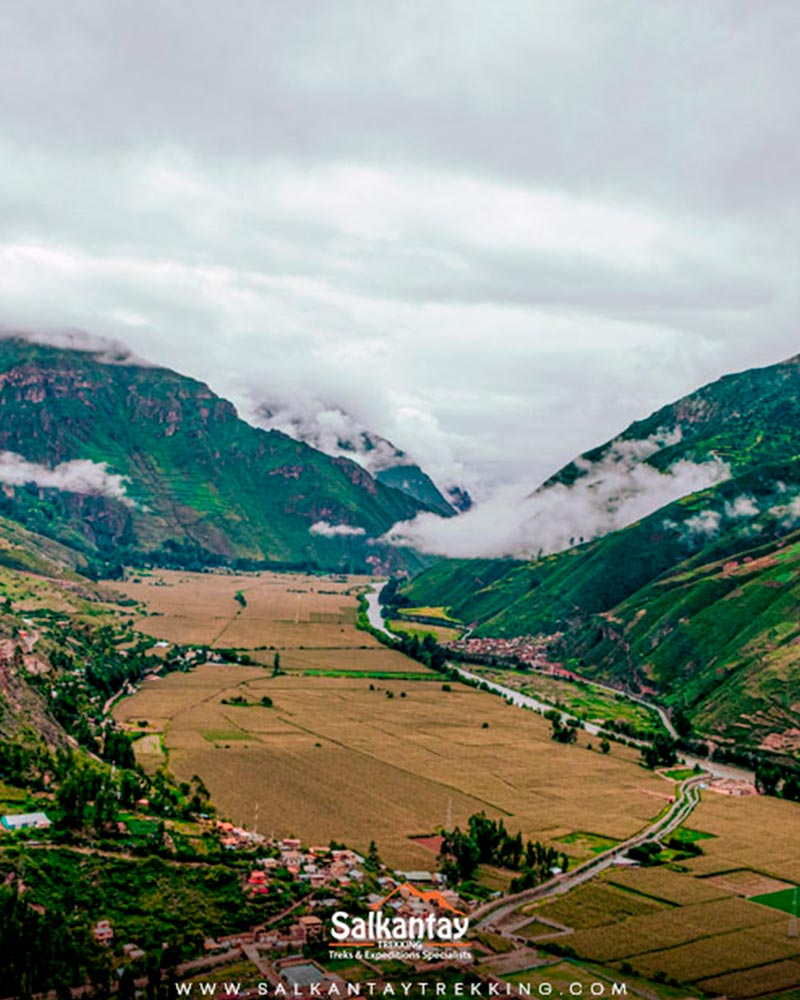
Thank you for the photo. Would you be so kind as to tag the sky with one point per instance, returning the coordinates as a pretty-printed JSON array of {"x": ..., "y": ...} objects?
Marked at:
[{"x": 495, "y": 233}]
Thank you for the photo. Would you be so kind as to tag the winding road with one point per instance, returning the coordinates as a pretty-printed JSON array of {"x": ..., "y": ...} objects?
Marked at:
[{"x": 490, "y": 914}]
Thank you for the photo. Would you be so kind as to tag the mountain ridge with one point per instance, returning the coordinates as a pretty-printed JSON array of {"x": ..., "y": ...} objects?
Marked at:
[
  {"x": 188, "y": 470},
  {"x": 611, "y": 599}
]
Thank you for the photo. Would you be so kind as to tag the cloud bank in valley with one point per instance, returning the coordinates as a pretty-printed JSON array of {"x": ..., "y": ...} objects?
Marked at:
[
  {"x": 77, "y": 476},
  {"x": 612, "y": 492}
]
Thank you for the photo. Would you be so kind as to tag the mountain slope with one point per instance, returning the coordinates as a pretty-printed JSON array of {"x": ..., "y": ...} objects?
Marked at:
[
  {"x": 746, "y": 419},
  {"x": 643, "y": 604},
  {"x": 130, "y": 459},
  {"x": 337, "y": 433}
]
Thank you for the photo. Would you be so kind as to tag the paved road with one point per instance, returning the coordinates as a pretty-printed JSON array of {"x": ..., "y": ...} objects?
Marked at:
[{"x": 490, "y": 914}]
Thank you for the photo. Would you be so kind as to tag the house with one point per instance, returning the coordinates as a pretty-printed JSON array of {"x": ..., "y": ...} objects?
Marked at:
[
  {"x": 312, "y": 927},
  {"x": 25, "y": 821},
  {"x": 417, "y": 876},
  {"x": 103, "y": 932}
]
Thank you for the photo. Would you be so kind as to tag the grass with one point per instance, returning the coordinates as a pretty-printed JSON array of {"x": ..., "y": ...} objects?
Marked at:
[
  {"x": 785, "y": 900},
  {"x": 536, "y": 929},
  {"x": 495, "y": 942},
  {"x": 680, "y": 773},
  {"x": 431, "y": 612},
  {"x": 688, "y": 836},
  {"x": 575, "y": 697},
  {"x": 224, "y": 735},
  {"x": 583, "y": 844}
]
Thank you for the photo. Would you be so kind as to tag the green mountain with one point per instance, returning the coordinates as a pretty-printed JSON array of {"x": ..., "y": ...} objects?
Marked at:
[
  {"x": 414, "y": 482},
  {"x": 124, "y": 460},
  {"x": 698, "y": 600}
]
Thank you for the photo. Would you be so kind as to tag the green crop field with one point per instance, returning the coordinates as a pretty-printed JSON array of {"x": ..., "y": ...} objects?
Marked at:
[{"x": 787, "y": 900}]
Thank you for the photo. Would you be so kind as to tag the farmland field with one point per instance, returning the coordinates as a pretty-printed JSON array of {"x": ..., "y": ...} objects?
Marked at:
[
  {"x": 707, "y": 928},
  {"x": 281, "y": 610},
  {"x": 441, "y": 633},
  {"x": 785, "y": 900},
  {"x": 361, "y": 742}
]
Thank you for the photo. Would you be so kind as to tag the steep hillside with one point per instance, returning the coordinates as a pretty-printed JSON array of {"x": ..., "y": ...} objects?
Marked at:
[
  {"x": 126, "y": 460},
  {"x": 337, "y": 433},
  {"x": 698, "y": 599},
  {"x": 720, "y": 637},
  {"x": 746, "y": 419},
  {"x": 411, "y": 480}
]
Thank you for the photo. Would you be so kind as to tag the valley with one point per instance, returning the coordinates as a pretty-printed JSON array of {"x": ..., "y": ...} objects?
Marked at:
[{"x": 358, "y": 759}]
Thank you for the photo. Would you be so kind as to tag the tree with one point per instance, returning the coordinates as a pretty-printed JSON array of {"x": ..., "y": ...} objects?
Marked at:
[
  {"x": 767, "y": 777},
  {"x": 372, "y": 862},
  {"x": 682, "y": 723},
  {"x": 662, "y": 752},
  {"x": 240, "y": 598},
  {"x": 605, "y": 746}
]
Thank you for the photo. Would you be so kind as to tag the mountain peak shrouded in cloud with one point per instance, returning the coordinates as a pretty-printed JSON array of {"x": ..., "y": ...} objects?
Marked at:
[
  {"x": 106, "y": 349},
  {"x": 126, "y": 461},
  {"x": 332, "y": 430},
  {"x": 721, "y": 431}
]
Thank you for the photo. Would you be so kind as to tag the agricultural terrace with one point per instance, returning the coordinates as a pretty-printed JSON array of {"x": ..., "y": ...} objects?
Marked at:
[
  {"x": 360, "y": 743},
  {"x": 713, "y": 921}
]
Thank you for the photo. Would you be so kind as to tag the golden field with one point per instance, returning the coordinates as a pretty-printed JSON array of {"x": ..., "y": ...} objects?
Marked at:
[
  {"x": 334, "y": 758},
  {"x": 283, "y": 609},
  {"x": 706, "y": 931}
]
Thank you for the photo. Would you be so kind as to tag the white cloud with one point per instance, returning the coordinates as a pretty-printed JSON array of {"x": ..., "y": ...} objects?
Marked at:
[
  {"x": 77, "y": 476},
  {"x": 327, "y": 530},
  {"x": 494, "y": 239},
  {"x": 613, "y": 492}
]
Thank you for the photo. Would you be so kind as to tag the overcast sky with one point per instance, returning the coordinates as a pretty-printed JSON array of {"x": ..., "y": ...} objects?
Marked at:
[{"x": 495, "y": 231}]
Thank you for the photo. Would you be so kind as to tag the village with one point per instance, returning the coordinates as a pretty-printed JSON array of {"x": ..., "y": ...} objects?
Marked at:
[
  {"x": 524, "y": 650},
  {"x": 290, "y": 949}
]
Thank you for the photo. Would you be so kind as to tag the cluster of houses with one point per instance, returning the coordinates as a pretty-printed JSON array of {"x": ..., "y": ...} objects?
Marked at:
[
  {"x": 234, "y": 838},
  {"x": 316, "y": 866},
  {"x": 305, "y": 930},
  {"x": 527, "y": 649}
]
